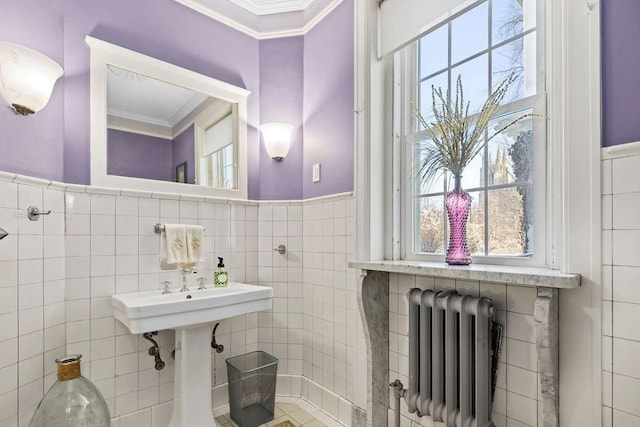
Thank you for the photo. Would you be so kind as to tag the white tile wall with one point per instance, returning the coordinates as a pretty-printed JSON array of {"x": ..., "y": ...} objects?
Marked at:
[
  {"x": 31, "y": 297},
  {"x": 517, "y": 400},
  {"x": 330, "y": 308},
  {"x": 113, "y": 248},
  {"x": 621, "y": 292},
  {"x": 57, "y": 276},
  {"x": 311, "y": 327}
]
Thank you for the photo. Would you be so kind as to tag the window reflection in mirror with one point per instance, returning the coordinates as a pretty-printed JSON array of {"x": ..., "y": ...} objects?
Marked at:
[
  {"x": 215, "y": 148},
  {"x": 155, "y": 126}
]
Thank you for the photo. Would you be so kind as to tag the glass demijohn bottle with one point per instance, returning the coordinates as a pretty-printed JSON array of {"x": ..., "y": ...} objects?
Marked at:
[{"x": 72, "y": 401}]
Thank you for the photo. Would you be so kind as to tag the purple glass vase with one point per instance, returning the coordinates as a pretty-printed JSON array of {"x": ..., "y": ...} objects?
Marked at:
[{"x": 458, "y": 204}]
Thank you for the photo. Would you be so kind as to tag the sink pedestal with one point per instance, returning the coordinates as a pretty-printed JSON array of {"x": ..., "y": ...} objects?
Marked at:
[
  {"x": 191, "y": 315},
  {"x": 192, "y": 385}
]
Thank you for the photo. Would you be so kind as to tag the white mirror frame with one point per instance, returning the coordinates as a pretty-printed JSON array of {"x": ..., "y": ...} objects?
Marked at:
[{"x": 103, "y": 54}]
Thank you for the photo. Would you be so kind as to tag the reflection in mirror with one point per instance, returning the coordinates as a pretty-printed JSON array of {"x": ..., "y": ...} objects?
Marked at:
[
  {"x": 161, "y": 128},
  {"x": 155, "y": 127},
  {"x": 215, "y": 146}
]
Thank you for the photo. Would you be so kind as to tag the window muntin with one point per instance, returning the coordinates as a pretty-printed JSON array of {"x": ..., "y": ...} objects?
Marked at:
[
  {"x": 221, "y": 167},
  {"x": 503, "y": 36}
]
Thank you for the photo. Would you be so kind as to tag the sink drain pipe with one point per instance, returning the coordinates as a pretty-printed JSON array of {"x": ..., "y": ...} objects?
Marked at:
[
  {"x": 154, "y": 350},
  {"x": 398, "y": 393},
  {"x": 218, "y": 347}
]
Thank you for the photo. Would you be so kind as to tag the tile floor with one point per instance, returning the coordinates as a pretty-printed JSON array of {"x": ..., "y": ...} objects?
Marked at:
[{"x": 298, "y": 412}]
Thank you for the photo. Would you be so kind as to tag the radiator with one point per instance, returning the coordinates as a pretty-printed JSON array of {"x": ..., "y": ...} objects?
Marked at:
[{"x": 450, "y": 358}]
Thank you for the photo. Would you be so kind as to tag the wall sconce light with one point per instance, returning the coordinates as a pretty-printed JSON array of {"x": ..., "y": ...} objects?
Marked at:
[
  {"x": 277, "y": 139},
  {"x": 27, "y": 77}
]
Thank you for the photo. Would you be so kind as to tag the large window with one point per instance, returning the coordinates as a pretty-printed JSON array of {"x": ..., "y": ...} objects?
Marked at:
[{"x": 484, "y": 45}]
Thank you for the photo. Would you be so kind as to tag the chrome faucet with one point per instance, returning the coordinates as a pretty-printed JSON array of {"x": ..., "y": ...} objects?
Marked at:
[
  {"x": 201, "y": 285},
  {"x": 166, "y": 284},
  {"x": 183, "y": 273}
]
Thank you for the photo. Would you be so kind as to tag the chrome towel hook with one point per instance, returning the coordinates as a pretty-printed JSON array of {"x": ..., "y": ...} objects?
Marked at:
[
  {"x": 281, "y": 249},
  {"x": 33, "y": 213}
]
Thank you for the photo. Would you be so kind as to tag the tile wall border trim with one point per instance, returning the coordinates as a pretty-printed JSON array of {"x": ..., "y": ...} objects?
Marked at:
[
  {"x": 621, "y": 150},
  {"x": 89, "y": 189}
]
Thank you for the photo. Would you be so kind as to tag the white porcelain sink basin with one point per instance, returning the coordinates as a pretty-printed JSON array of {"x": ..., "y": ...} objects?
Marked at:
[
  {"x": 152, "y": 311},
  {"x": 191, "y": 314}
]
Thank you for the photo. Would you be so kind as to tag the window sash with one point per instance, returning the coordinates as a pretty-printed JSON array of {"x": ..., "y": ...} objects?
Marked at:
[{"x": 405, "y": 132}]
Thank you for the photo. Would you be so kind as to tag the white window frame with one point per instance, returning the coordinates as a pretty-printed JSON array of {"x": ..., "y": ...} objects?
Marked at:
[
  {"x": 405, "y": 80},
  {"x": 574, "y": 233}
]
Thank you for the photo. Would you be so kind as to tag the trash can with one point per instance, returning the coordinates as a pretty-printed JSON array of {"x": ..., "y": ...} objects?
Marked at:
[{"x": 252, "y": 388}]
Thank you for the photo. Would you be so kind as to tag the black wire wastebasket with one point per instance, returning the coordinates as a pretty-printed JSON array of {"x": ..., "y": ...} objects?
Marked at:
[{"x": 252, "y": 388}]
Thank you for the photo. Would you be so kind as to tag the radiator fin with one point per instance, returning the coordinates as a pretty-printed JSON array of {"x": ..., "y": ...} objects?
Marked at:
[{"x": 450, "y": 366}]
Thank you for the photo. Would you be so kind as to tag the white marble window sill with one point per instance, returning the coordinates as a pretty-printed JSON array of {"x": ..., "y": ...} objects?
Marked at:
[{"x": 521, "y": 276}]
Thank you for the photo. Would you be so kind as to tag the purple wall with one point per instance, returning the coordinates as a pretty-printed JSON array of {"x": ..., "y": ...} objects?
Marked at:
[
  {"x": 281, "y": 98},
  {"x": 165, "y": 30},
  {"x": 139, "y": 156},
  {"x": 620, "y": 76},
  {"x": 33, "y": 145},
  {"x": 306, "y": 81},
  {"x": 328, "y": 103},
  {"x": 54, "y": 143},
  {"x": 184, "y": 151}
]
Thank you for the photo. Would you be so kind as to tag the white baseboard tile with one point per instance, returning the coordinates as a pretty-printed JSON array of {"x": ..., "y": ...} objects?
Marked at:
[
  {"x": 220, "y": 399},
  {"x": 287, "y": 386},
  {"x": 296, "y": 386},
  {"x": 161, "y": 413},
  {"x": 330, "y": 403},
  {"x": 283, "y": 385},
  {"x": 324, "y": 405},
  {"x": 141, "y": 418}
]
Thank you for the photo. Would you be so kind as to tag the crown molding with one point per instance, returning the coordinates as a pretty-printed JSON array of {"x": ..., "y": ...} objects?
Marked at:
[
  {"x": 281, "y": 24},
  {"x": 192, "y": 4},
  {"x": 270, "y": 7}
]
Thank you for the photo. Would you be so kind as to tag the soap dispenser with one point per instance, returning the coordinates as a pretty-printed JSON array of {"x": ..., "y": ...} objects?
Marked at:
[{"x": 220, "y": 275}]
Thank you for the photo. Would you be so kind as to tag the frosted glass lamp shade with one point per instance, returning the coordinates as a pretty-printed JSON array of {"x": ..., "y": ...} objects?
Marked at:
[
  {"x": 27, "y": 77},
  {"x": 277, "y": 139}
]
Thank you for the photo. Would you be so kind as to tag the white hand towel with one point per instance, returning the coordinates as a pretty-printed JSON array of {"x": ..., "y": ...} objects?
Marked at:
[
  {"x": 173, "y": 246},
  {"x": 164, "y": 265},
  {"x": 181, "y": 244},
  {"x": 195, "y": 242}
]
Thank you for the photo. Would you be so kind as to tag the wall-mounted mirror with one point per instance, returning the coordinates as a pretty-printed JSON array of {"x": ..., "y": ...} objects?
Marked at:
[{"x": 161, "y": 128}]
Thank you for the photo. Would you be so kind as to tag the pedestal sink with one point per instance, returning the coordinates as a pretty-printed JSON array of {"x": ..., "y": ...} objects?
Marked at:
[{"x": 191, "y": 315}]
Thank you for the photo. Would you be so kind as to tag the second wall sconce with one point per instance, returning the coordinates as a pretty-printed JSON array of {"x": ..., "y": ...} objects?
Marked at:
[
  {"x": 277, "y": 139},
  {"x": 27, "y": 77}
]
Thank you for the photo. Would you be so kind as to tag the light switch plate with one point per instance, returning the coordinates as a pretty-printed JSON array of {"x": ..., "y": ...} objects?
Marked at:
[{"x": 316, "y": 172}]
